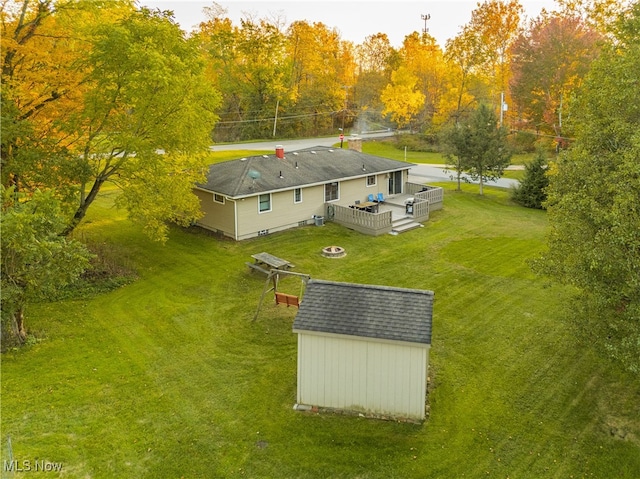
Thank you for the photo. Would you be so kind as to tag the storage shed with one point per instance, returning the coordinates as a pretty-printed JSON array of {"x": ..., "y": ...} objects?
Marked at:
[{"x": 364, "y": 348}]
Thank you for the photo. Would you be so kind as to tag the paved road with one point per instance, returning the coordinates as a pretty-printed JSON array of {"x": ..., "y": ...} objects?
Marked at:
[
  {"x": 291, "y": 145},
  {"x": 420, "y": 173}
]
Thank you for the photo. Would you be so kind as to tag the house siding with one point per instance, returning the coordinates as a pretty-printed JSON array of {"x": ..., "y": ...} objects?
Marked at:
[
  {"x": 379, "y": 377},
  {"x": 216, "y": 216},
  {"x": 284, "y": 213},
  {"x": 357, "y": 189}
]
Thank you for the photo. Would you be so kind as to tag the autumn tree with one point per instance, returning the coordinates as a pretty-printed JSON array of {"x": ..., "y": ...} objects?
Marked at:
[
  {"x": 463, "y": 55},
  {"x": 402, "y": 98},
  {"x": 321, "y": 79},
  {"x": 480, "y": 146},
  {"x": 129, "y": 105},
  {"x": 483, "y": 47},
  {"x": 248, "y": 65},
  {"x": 593, "y": 207},
  {"x": 374, "y": 63},
  {"x": 599, "y": 15},
  {"x": 41, "y": 40},
  {"x": 550, "y": 60},
  {"x": 423, "y": 58}
]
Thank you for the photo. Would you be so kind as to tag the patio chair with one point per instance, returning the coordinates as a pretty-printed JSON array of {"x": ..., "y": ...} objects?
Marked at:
[
  {"x": 380, "y": 198},
  {"x": 370, "y": 198}
]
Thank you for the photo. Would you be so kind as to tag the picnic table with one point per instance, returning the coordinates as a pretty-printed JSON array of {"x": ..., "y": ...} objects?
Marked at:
[
  {"x": 265, "y": 261},
  {"x": 369, "y": 206}
]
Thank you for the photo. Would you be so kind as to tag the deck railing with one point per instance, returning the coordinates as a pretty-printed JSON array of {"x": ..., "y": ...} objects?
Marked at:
[
  {"x": 368, "y": 223},
  {"x": 433, "y": 194},
  {"x": 421, "y": 208}
]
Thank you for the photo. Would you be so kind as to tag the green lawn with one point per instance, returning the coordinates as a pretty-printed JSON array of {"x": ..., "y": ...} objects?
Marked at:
[
  {"x": 388, "y": 150},
  {"x": 220, "y": 156},
  {"x": 168, "y": 377}
]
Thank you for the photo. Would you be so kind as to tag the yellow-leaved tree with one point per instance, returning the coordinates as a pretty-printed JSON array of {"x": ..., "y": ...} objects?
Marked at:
[{"x": 401, "y": 98}]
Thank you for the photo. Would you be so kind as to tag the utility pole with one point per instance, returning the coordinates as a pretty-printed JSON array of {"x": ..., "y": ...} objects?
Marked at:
[
  {"x": 425, "y": 17},
  {"x": 344, "y": 112},
  {"x": 503, "y": 107},
  {"x": 275, "y": 120}
]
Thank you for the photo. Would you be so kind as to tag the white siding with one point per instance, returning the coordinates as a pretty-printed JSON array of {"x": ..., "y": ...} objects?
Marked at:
[{"x": 362, "y": 375}]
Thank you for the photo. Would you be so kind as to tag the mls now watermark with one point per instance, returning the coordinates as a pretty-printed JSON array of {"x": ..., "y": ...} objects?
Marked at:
[{"x": 31, "y": 466}]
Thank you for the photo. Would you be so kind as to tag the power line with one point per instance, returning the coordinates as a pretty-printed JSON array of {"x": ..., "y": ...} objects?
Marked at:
[{"x": 256, "y": 120}]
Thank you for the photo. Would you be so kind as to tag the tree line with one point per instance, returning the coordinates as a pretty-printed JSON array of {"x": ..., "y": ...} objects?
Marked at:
[{"x": 303, "y": 79}]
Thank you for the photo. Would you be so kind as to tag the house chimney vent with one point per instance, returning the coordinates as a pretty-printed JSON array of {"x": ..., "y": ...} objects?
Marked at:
[{"x": 280, "y": 152}]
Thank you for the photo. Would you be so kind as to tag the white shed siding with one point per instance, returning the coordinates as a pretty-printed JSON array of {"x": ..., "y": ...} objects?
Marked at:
[{"x": 356, "y": 374}]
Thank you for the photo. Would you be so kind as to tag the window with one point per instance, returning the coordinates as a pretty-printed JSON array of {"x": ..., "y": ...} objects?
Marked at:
[
  {"x": 297, "y": 195},
  {"x": 371, "y": 180},
  {"x": 218, "y": 198},
  {"x": 331, "y": 191},
  {"x": 264, "y": 203}
]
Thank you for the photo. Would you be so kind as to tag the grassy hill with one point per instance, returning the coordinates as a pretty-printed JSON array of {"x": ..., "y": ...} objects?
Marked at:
[{"x": 168, "y": 377}]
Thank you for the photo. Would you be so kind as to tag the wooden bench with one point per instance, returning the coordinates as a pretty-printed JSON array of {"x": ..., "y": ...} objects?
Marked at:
[
  {"x": 288, "y": 299},
  {"x": 257, "y": 267}
]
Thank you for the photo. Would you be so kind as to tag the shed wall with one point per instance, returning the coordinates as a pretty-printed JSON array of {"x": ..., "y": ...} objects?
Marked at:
[{"x": 362, "y": 375}]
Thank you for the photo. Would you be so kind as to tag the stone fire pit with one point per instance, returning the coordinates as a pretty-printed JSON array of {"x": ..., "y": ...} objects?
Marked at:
[{"x": 333, "y": 252}]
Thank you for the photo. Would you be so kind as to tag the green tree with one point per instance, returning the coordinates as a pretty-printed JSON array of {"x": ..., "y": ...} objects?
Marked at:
[
  {"x": 464, "y": 56},
  {"x": 531, "y": 192},
  {"x": 480, "y": 146},
  {"x": 127, "y": 103},
  {"x": 594, "y": 201},
  {"x": 248, "y": 65},
  {"x": 320, "y": 79},
  {"x": 374, "y": 59},
  {"x": 36, "y": 259}
]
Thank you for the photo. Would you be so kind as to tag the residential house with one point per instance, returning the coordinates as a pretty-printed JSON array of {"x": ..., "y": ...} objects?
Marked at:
[{"x": 263, "y": 194}]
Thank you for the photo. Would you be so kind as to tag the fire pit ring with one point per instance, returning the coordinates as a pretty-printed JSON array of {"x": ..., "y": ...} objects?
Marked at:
[{"x": 333, "y": 252}]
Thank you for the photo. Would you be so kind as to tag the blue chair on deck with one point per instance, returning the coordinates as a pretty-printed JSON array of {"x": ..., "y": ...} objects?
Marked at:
[
  {"x": 370, "y": 198},
  {"x": 380, "y": 198}
]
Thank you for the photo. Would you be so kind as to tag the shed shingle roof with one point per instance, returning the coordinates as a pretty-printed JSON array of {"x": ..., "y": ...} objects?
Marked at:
[
  {"x": 368, "y": 311},
  {"x": 262, "y": 173}
]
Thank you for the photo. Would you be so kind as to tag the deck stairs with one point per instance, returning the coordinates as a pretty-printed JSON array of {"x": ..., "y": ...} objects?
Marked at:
[
  {"x": 402, "y": 223},
  {"x": 400, "y": 220}
]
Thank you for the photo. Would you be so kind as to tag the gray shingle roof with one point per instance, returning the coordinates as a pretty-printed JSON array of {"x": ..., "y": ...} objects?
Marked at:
[
  {"x": 261, "y": 174},
  {"x": 368, "y": 311}
]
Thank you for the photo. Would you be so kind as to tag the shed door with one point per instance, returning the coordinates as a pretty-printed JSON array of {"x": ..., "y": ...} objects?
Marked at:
[{"x": 395, "y": 183}]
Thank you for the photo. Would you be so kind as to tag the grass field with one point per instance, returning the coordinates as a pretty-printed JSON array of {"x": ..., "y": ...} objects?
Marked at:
[
  {"x": 168, "y": 377},
  {"x": 389, "y": 150}
]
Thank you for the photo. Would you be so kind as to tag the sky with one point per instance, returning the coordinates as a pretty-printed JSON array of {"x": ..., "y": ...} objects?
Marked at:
[{"x": 354, "y": 19}]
